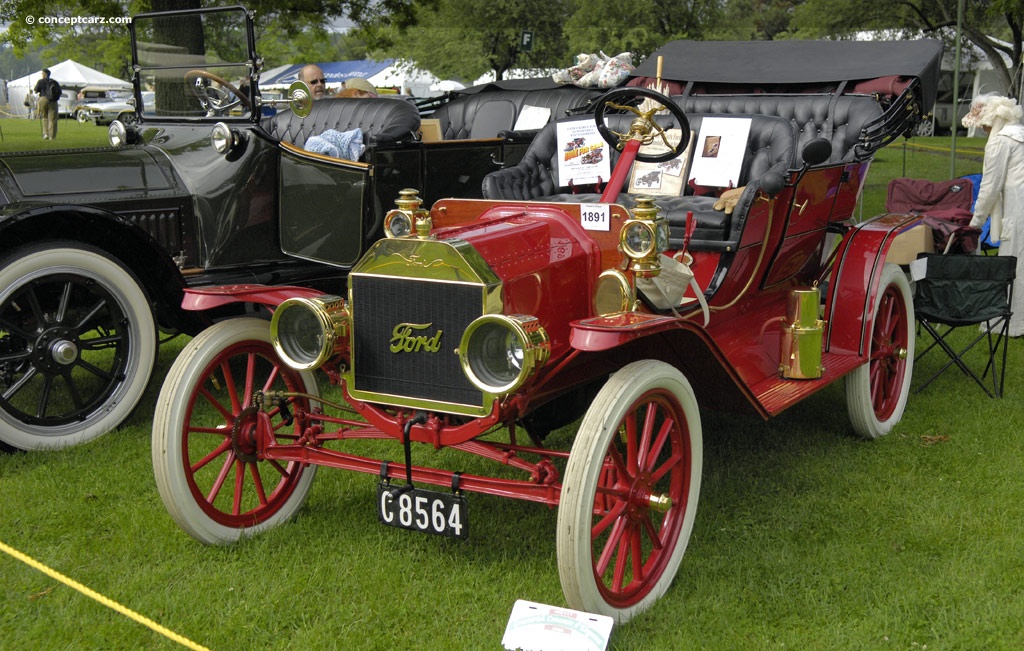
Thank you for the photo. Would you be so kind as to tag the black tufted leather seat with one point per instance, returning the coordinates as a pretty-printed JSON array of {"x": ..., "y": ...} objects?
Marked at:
[
  {"x": 383, "y": 121},
  {"x": 842, "y": 120},
  {"x": 459, "y": 116},
  {"x": 771, "y": 147}
]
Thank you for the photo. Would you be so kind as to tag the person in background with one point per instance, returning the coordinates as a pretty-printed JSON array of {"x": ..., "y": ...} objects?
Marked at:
[
  {"x": 49, "y": 92},
  {"x": 1001, "y": 194},
  {"x": 365, "y": 88},
  {"x": 30, "y": 105},
  {"x": 314, "y": 78}
]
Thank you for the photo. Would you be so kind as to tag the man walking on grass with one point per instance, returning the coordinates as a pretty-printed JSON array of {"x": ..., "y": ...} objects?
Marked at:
[{"x": 49, "y": 94}]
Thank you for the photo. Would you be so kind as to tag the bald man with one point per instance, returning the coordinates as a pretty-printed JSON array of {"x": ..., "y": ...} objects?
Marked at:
[{"x": 314, "y": 78}]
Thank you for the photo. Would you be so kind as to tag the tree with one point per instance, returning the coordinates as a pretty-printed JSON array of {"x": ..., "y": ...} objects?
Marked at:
[
  {"x": 996, "y": 27},
  {"x": 298, "y": 27},
  {"x": 463, "y": 39},
  {"x": 639, "y": 27}
]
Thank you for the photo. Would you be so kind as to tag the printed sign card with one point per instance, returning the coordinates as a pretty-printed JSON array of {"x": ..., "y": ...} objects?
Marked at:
[
  {"x": 532, "y": 117},
  {"x": 718, "y": 153},
  {"x": 665, "y": 178},
  {"x": 583, "y": 153}
]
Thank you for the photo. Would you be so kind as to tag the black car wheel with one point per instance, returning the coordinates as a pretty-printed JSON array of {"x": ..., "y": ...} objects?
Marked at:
[{"x": 77, "y": 345}]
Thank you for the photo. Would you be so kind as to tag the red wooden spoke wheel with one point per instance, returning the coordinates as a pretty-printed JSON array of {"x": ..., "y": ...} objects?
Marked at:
[
  {"x": 630, "y": 492},
  {"x": 876, "y": 393},
  {"x": 205, "y": 432}
]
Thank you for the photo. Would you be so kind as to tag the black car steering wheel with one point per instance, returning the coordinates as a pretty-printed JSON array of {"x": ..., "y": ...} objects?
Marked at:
[
  {"x": 643, "y": 127},
  {"x": 214, "y": 98}
]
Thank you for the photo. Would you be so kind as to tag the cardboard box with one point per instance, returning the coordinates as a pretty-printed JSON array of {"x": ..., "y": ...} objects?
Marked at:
[{"x": 906, "y": 246}]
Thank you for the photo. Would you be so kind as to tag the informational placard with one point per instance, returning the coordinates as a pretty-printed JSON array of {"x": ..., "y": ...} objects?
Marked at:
[
  {"x": 532, "y": 117},
  {"x": 718, "y": 153},
  {"x": 583, "y": 153},
  {"x": 665, "y": 178},
  {"x": 538, "y": 627}
]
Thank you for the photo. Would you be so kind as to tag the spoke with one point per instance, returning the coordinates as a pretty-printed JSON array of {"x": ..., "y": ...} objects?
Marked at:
[
  {"x": 92, "y": 368},
  {"x": 236, "y": 503},
  {"x": 250, "y": 377},
  {"x": 225, "y": 446},
  {"x": 610, "y": 546},
  {"x": 76, "y": 397},
  {"x": 637, "y": 553},
  {"x": 229, "y": 416},
  {"x": 652, "y": 531},
  {"x": 668, "y": 466},
  {"x": 44, "y": 396},
  {"x": 101, "y": 343},
  {"x": 257, "y": 481},
  {"x": 13, "y": 329},
  {"x": 62, "y": 304},
  {"x": 281, "y": 470},
  {"x": 659, "y": 443},
  {"x": 229, "y": 385},
  {"x": 221, "y": 476},
  {"x": 645, "y": 438},
  {"x": 271, "y": 378},
  {"x": 609, "y": 518},
  {"x": 631, "y": 440},
  {"x": 37, "y": 309},
  {"x": 622, "y": 558},
  {"x": 17, "y": 386},
  {"x": 96, "y": 309}
]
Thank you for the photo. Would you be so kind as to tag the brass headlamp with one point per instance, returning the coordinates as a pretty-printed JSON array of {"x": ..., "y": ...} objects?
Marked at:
[{"x": 402, "y": 221}]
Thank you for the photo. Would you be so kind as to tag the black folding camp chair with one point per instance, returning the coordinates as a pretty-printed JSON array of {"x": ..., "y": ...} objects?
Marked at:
[{"x": 966, "y": 290}]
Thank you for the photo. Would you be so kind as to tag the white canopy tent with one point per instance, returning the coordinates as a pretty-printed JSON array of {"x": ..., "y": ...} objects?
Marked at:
[{"x": 72, "y": 77}]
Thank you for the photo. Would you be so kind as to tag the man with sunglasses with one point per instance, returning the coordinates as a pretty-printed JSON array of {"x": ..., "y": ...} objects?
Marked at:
[{"x": 314, "y": 78}]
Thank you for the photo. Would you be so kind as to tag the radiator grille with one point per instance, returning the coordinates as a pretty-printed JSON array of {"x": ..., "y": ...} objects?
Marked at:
[{"x": 379, "y": 304}]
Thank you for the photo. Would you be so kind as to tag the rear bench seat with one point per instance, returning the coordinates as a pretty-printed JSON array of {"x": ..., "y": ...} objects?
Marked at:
[
  {"x": 771, "y": 147},
  {"x": 383, "y": 121},
  {"x": 486, "y": 114},
  {"x": 843, "y": 120}
]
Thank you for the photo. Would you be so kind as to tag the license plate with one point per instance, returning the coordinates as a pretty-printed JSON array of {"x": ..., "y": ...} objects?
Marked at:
[{"x": 443, "y": 514}]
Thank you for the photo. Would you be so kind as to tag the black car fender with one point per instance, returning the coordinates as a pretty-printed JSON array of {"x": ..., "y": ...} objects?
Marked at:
[{"x": 113, "y": 234}]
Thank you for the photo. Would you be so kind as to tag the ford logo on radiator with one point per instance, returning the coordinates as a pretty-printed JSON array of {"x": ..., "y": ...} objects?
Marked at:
[{"x": 408, "y": 338}]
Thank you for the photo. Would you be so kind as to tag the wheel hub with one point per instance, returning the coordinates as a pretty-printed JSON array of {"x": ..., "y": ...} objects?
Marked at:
[
  {"x": 54, "y": 349},
  {"x": 243, "y": 435}
]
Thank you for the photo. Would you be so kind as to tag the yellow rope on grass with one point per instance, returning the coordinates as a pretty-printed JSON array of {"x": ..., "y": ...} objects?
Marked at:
[{"x": 109, "y": 603}]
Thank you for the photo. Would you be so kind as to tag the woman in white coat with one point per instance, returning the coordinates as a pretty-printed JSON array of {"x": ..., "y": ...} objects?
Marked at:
[{"x": 1001, "y": 194}]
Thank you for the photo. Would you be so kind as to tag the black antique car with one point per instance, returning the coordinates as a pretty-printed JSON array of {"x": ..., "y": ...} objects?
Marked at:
[{"x": 211, "y": 185}]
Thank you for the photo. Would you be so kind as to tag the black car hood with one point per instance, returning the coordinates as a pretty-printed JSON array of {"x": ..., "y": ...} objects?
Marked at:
[{"x": 74, "y": 176}]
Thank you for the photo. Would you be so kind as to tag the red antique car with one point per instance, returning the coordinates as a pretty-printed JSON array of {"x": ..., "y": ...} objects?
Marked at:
[{"x": 480, "y": 325}]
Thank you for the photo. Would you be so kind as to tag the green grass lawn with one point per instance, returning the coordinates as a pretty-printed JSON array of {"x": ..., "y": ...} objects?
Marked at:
[
  {"x": 806, "y": 537},
  {"x": 24, "y": 135}
]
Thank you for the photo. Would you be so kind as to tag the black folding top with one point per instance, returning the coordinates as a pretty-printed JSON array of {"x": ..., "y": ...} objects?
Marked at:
[{"x": 758, "y": 63}]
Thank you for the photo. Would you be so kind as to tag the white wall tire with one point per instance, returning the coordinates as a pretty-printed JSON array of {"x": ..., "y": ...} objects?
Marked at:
[
  {"x": 206, "y": 395},
  {"x": 876, "y": 392},
  {"x": 646, "y": 406},
  {"x": 77, "y": 345}
]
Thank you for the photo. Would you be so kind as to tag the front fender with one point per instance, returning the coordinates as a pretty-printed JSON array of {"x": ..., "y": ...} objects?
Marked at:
[
  {"x": 199, "y": 299},
  {"x": 853, "y": 285}
]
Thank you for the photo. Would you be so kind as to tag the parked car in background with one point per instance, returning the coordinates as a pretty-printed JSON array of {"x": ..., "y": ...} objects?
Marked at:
[
  {"x": 481, "y": 326},
  {"x": 87, "y": 95},
  {"x": 104, "y": 112},
  {"x": 209, "y": 185}
]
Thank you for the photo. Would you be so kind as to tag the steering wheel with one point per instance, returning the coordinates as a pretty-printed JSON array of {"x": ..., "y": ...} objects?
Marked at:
[
  {"x": 213, "y": 98},
  {"x": 643, "y": 128}
]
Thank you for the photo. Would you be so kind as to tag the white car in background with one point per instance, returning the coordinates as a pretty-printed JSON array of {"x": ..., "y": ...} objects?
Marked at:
[{"x": 103, "y": 113}]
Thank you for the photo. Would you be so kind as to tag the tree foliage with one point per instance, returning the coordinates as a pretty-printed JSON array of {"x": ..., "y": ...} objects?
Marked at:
[
  {"x": 996, "y": 27},
  {"x": 289, "y": 30},
  {"x": 463, "y": 39}
]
